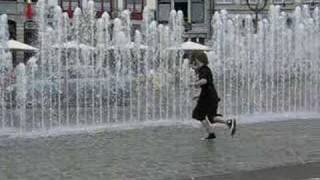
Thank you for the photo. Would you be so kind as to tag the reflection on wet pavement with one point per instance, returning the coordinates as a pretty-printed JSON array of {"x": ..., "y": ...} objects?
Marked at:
[{"x": 164, "y": 152}]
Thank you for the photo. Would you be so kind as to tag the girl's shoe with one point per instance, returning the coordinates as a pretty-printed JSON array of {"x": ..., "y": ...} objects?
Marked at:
[
  {"x": 232, "y": 125},
  {"x": 210, "y": 136}
]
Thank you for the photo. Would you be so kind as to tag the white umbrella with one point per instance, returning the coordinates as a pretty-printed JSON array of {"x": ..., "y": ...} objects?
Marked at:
[
  {"x": 190, "y": 46},
  {"x": 73, "y": 45},
  {"x": 19, "y": 46},
  {"x": 130, "y": 45}
]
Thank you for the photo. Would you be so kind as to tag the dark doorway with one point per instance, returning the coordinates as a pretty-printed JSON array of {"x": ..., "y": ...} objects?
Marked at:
[
  {"x": 198, "y": 40},
  {"x": 183, "y": 6},
  {"x": 13, "y": 35},
  {"x": 30, "y": 37},
  {"x": 12, "y": 29}
]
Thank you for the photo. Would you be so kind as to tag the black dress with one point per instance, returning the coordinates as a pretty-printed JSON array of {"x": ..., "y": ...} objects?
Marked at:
[{"x": 207, "y": 104}]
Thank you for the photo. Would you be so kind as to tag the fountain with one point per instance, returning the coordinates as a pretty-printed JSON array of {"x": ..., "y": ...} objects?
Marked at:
[
  {"x": 6, "y": 76},
  {"x": 275, "y": 70},
  {"x": 100, "y": 71}
]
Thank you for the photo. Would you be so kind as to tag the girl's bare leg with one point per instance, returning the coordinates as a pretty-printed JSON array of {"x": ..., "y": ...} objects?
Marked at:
[
  {"x": 220, "y": 120},
  {"x": 207, "y": 125},
  {"x": 230, "y": 123}
]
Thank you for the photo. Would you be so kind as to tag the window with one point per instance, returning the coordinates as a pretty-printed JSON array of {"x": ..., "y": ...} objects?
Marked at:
[
  {"x": 69, "y": 6},
  {"x": 136, "y": 8},
  {"x": 197, "y": 11},
  {"x": 65, "y": 4},
  {"x": 100, "y": 6},
  {"x": 103, "y": 6},
  {"x": 164, "y": 11},
  {"x": 182, "y": 6}
]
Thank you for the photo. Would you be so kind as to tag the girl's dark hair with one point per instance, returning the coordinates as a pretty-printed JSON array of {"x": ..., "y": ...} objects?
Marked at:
[{"x": 200, "y": 56}]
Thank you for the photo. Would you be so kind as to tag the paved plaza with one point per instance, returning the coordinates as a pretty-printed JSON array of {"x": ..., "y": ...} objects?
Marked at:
[{"x": 286, "y": 149}]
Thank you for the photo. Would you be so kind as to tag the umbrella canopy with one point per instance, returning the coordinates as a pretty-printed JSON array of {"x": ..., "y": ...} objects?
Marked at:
[
  {"x": 190, "y": 46},
  {"x": 19, "y": 46},
  {"x": 73, "y": 45},
  {"x": 130, "y": 45}
]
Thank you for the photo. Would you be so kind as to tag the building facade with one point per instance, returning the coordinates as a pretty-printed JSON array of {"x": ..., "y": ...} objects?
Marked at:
[{"x": 197, "y": 13}]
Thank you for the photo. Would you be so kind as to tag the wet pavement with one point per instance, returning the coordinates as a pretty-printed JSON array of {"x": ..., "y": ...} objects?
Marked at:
[
  {"x": 166, "y": 152},
  {"x": 305, "y": 171}
]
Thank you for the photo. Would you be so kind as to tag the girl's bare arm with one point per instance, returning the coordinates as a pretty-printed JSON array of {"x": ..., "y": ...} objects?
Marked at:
[{"x": 200, "y": 83}]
